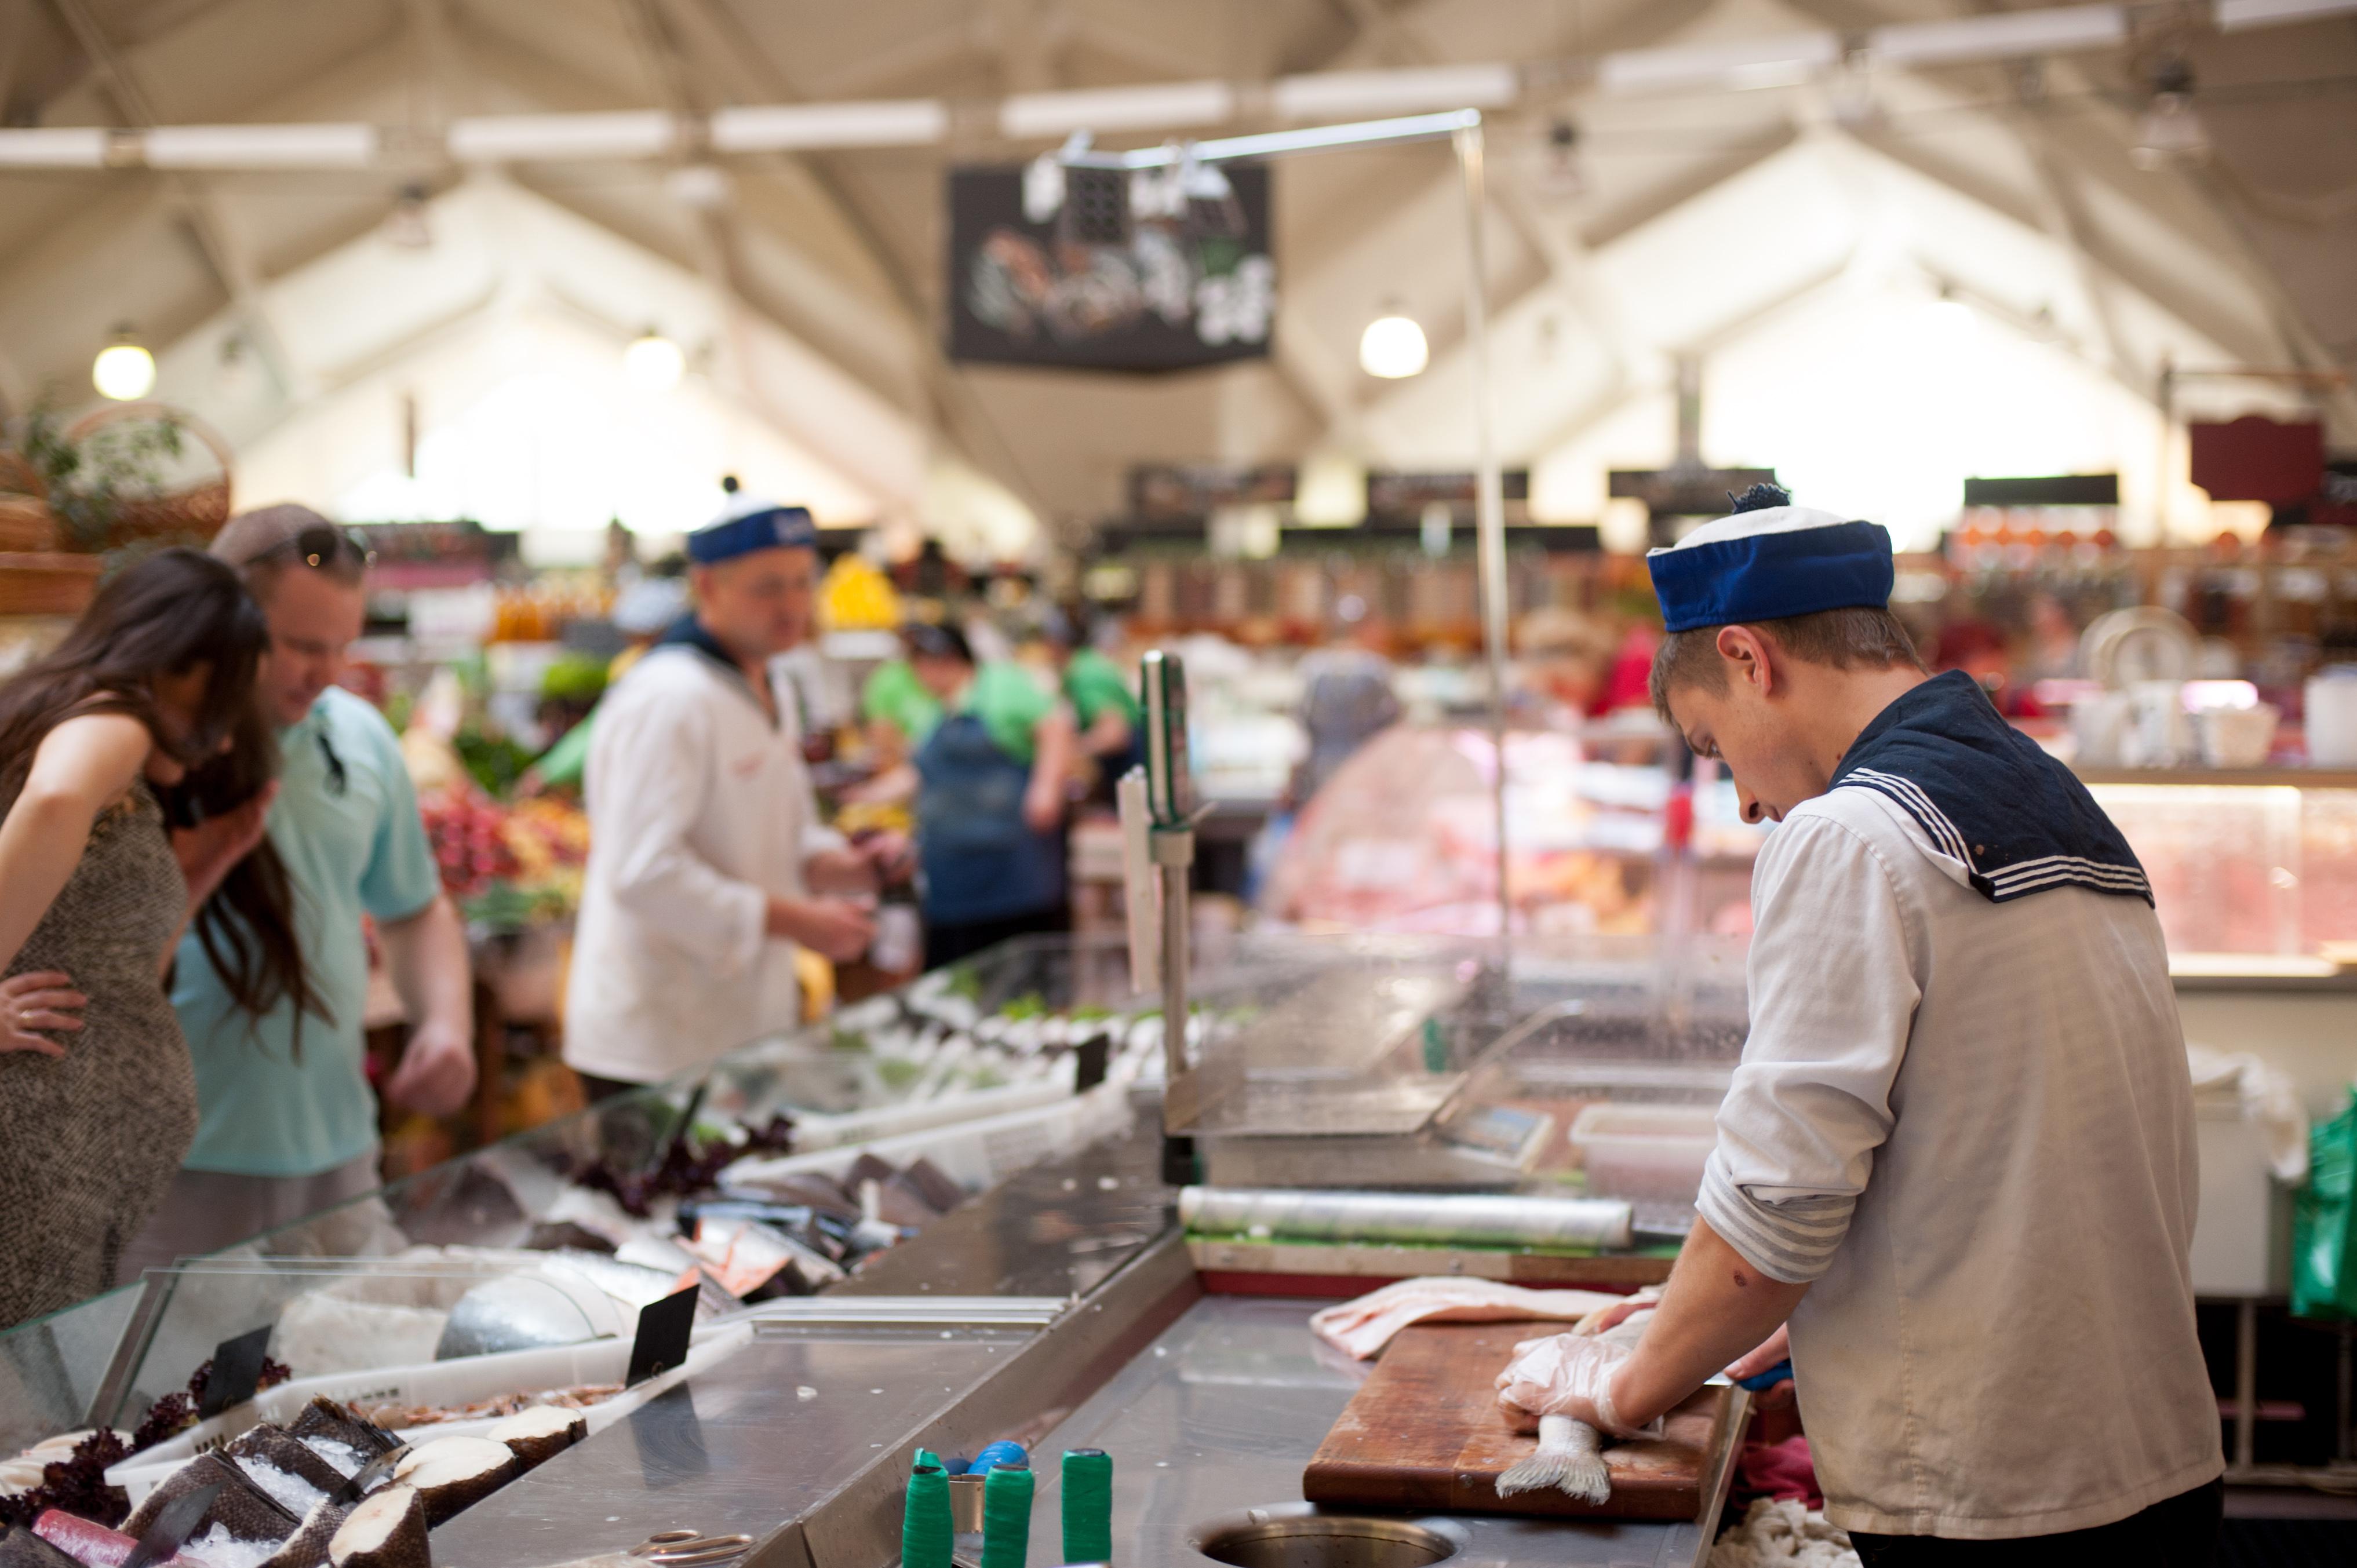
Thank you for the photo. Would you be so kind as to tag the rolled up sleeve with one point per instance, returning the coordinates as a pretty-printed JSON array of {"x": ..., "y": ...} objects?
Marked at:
[
  {"x": 1832, "y": 996},
  {"x": 648, "y": 782}
]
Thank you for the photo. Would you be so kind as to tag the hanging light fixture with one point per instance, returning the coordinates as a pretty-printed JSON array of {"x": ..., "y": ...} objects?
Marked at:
[
  {"x": 123, "y": 370},
  {"x": 1392, "y": 346},
  {"x": 652, "y": 362},
  {"x": 406, "y": 227},
  {"x": 2170, "y": 135}
]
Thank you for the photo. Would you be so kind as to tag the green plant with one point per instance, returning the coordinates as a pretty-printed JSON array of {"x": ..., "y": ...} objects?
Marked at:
[{"x": 89, "y": 479}]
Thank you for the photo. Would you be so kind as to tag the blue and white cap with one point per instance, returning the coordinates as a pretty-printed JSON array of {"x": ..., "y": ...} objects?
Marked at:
[
  {"x": 1769, "y": 559},
  {"x": 748, "y": 525}
]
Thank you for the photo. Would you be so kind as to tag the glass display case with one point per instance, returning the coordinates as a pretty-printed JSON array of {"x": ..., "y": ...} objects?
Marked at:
[
  {"x": 1420, "y": 1062},
  {"x": 2259, "y": 866},
  {"x": 1404, "y": 837},
  {"x": 567, "y": 1214}
]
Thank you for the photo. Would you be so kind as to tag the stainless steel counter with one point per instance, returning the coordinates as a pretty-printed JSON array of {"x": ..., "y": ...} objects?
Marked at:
[
  {"x": 1208, "y": 1405},
  {"x": 1217, "y": 1418}
]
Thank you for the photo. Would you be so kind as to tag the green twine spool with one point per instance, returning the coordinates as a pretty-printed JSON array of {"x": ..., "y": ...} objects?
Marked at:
[
  {"x": 1007, "y": 1518},
  {"x": 1088, "y": 1506},
  {"x": 925, "y": 1520}
]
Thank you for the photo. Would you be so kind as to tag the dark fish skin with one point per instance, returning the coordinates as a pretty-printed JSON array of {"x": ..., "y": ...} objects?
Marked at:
[{"x": 242, "y": 1508}]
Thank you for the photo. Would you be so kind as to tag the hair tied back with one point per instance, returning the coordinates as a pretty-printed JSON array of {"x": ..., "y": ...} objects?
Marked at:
[{"x": 1759, "y": 498}]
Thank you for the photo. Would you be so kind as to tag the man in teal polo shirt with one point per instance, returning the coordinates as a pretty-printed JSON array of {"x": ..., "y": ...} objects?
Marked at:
[{"x": 289, "y": 1122}]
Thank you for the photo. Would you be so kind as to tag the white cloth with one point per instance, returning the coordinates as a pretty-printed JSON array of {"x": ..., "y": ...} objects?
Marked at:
[
  {"x": 1971, "y": 1125},
  {"x": 700, "y": 812},
  {"x": 2268, "y": 1097}
]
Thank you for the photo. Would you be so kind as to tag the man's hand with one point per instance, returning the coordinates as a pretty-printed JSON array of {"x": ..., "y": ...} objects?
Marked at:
[
  {"x": 1778, "y": 1347},
  {"x": 207, "y": 851},
  {"x": 891, "y": 852},
  {"x": 832, "y": 928},
  {"x": 436, "y": 1074},
  {"x": 1043, "y": 805},
  {"x": 839, "y": 871},
  {"x": 1564, "y": 1374},
  {"x": 32, "y": 1006}
]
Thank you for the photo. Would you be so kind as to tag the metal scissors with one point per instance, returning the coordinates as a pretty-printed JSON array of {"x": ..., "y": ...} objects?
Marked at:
[{"x": 691, "y": 1549}]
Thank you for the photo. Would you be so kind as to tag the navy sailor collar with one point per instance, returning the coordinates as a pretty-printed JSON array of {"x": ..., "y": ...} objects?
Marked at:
[
  {"x": 2010, "y": 820},
  {"x": 689, "y": 633}
]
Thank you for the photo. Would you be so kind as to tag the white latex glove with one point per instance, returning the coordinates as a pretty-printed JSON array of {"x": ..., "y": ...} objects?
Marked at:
[{"x": 1564, "y": 1374}]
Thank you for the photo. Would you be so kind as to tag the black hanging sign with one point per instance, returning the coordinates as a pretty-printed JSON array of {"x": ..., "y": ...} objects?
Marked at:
[{"x": 1177, "y": 292}]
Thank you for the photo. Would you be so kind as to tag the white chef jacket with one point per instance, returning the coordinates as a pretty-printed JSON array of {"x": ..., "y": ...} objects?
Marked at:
[
  {"x": 1971, "y": 1125},
  {"x": 700, "y": 812}
]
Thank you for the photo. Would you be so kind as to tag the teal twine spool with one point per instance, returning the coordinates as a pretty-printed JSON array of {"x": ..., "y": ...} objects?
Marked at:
[
  {"x": 925, "y": 1520},
  {"x": 1088, "y": 1506},
  {"x": 1007, "y": 1518}
]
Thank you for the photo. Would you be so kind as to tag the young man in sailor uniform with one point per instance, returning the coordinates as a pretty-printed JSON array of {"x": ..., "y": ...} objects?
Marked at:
[
  {"x": 707, "y": 861},
  {"x": 1958, "y": 1153}
]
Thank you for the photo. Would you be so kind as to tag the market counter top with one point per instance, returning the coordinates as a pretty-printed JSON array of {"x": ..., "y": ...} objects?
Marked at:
[{"x": 1061, "y": 1310}]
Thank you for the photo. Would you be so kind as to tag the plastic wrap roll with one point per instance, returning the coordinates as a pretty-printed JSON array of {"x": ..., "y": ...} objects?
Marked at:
[
  {"x": 1502, "y": 1219},
  {"x": 1088, "y": 1506}
]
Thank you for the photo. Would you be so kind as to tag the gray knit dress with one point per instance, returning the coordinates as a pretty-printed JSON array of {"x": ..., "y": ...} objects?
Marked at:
[{"x": 88, "y": 1141}]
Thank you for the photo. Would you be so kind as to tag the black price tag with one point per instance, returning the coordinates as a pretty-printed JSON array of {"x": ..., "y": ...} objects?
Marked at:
[
  {"x": 173, "y": 1526},
  {"x": 663, "y": 1330},
  {"x": 237, "y": 1370}
]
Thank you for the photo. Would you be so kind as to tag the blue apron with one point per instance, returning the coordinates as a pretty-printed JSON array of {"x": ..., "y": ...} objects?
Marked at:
[{"x": 981, "y": 860}]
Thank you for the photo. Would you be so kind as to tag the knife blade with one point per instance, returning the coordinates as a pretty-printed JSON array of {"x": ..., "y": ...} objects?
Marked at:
[
  {"x": 368, "y": 1475},
  {"x": 173, "y": 1526}
]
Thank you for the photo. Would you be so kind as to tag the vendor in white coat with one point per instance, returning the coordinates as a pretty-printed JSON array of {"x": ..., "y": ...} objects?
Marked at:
[
  {"x": 708, "y": 862},
  {"x": 1958, "y": 1153}
]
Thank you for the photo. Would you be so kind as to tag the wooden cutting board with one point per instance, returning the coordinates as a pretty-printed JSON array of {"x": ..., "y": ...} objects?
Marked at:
[{"x": 1425, "y": 1431}]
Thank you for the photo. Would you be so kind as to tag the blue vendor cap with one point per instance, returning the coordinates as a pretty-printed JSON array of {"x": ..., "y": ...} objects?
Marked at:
[
  {"x": 1769, "y": 559},
  {"x": 748, "y": 525}
]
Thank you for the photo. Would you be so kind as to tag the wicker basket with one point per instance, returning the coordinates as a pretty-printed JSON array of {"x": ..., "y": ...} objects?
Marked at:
[
  {"x": 26, "y": 522},
  {"x": 196, "y": 512},
  {"x": 48, "y": 585}
]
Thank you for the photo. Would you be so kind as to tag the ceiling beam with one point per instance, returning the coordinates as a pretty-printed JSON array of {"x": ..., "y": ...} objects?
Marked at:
[
  {"x": 15, "y": 34},
  {"x": 953, "y": 412},
  {"x": 2220, "y": 327},
  {"x": 217, "y": 239},
  {"x": 2062, "y": 215},
  {"x": 1601, "y": 316}
]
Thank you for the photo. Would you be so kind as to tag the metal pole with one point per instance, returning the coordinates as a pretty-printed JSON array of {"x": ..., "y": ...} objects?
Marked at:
[
  {"x": 2247, "y": 1382},
  {"x": 1489, "y": 495},
  {"x": 1174, "y": 853}
]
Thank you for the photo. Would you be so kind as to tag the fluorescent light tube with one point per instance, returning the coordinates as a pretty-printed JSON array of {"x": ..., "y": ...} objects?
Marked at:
[
  {"x": 906, "y": 122},
  {"x": 1326, "y": 93},
  {"x": 2233, "y": 15},
  {"x": 53, "y": 146},
  {"x": 259, "y": 146},
  {"x": 503, "y": 138},
  {"x": 2006, "y": 35},
  {"x": 1162, "y": 105},
  {"x": 1753, "y": 62}
]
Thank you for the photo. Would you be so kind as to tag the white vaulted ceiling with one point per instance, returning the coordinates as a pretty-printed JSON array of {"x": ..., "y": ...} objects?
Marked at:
[{"x": 1800, "y": 234}]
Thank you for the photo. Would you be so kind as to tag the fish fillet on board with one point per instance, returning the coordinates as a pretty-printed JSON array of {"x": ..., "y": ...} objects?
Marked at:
[{"x": 1362, "y": 1326}]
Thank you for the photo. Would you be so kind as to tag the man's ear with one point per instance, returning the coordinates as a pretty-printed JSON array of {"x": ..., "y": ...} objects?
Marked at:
[{"x": 1748, "y": 655}]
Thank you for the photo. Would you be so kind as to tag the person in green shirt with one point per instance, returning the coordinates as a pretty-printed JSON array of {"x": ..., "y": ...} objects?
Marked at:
[
  {"x": 1104, "y": 702},
  {"x": 898, "y": 711},
  {"x": 990, "y": 801}
]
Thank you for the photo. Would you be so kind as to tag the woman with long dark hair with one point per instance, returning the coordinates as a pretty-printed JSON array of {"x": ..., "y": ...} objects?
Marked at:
[{"x": 97, "y": 1101}]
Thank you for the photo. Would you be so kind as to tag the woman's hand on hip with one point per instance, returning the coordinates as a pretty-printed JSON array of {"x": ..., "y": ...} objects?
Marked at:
[{"x": 31, "y": 1004}]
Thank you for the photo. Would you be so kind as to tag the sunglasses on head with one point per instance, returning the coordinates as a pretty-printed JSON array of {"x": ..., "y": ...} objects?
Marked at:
[{"x": 321, "y": 543}]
